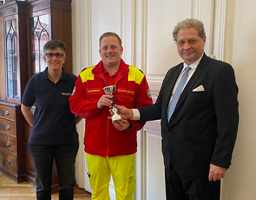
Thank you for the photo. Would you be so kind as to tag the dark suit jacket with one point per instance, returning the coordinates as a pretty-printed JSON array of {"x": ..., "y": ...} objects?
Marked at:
[{"x": 203, "y": 127}]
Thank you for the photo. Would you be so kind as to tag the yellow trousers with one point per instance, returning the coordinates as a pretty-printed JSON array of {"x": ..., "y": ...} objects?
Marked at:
[{"x": 122, "y": 170}]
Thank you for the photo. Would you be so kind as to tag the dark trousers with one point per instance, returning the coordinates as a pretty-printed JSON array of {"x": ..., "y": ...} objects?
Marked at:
[
  {"x": 180, "y": 187},
  {"x": 42, "y": 158}
]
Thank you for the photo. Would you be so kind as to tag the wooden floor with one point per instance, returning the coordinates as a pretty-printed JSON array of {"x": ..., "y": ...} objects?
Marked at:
[{"x": 9, "y": 190}]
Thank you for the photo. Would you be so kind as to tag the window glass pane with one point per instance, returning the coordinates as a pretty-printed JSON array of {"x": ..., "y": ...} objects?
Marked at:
[
  {"x": 15, "y": 85},
  {"x": 44, "y": 39},
  {"x": 9, "y": 53},
  {"x": 11, "y": 58},
  {"x": 8, "y": 26},
  {"x": 10, "y": 84},
  {"x": 14, "y": 53},
  {"x": 39, "y": 35}
]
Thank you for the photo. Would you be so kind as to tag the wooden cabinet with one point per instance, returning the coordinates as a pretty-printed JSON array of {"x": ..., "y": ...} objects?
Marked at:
[
  {"x": 13, "y": 49},
  {"x": 47, "y": 19},
  {"x": 12, "y": 142},
  {"x": 13, "y": 78},
  {"x": 25, "y": 26}
]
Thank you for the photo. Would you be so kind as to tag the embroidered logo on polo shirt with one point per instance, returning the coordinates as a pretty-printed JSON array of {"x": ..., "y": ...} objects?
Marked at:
[{"x": 65, "y": 93}]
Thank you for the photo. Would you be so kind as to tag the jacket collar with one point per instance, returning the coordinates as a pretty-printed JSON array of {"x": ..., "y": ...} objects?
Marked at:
[{"x": 123, "y": 70}]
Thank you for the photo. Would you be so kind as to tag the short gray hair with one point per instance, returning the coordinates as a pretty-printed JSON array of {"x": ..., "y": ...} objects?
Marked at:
[
  {"x": 189, "y": 23},
  {"x": 53, "y": 44}
]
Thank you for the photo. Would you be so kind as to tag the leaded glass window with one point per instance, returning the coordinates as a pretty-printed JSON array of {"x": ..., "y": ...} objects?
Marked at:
[
  {"x": 11, "y": 58},
  {"x": 39, "y": 34}
]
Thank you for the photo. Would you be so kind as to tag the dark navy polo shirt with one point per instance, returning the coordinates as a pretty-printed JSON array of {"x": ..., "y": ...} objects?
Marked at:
[{"x": 54, "y": 123}]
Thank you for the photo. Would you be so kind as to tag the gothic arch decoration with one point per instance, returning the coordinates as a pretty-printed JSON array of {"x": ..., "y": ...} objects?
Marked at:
[{"x": 39, "y": 33}]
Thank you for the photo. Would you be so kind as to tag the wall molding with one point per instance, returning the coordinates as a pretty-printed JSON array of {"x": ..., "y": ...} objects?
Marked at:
[
  {"x": 76, "y": 46},
  {"x": 220, "y": 28},
  {"x": 139, "y": 58},
  {"x": 204, "y": 10}
]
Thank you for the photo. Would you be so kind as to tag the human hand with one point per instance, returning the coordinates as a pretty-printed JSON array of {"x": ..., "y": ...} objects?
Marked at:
[
  {"x": 121, "y": 125},
  {"x": 216, "y": 173},
  {"x": 78, "y": 119},
  {"x": 125, "y": 113},
  {"x": 105, "y": 100}
]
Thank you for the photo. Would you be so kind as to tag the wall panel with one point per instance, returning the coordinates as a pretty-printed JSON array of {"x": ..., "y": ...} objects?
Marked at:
[
  {"x": 239, "y": 50},
  {"x": 160, "y": 49},
  {"x": 105, "y": 16},
  {"x": 146, "y": 29},
  {"x": 154, "y": 166}
]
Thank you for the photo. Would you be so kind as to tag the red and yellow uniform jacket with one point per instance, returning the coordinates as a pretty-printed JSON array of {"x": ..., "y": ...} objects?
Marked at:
[{"x": 101, "y": 137}]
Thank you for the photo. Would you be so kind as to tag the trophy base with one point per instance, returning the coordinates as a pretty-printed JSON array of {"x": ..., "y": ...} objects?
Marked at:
[{"x": 116, "y": 117}]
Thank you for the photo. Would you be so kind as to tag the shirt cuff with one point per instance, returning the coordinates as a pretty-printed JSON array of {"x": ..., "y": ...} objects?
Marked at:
[{"x": 136, "y": 114}]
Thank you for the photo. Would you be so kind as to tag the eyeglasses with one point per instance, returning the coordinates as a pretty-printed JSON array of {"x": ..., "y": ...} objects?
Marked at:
[{"x": 57, "y": 55}]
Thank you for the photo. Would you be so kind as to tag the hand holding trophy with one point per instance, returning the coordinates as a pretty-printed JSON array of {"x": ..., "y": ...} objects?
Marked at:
[{"x": 110, "y": 90}]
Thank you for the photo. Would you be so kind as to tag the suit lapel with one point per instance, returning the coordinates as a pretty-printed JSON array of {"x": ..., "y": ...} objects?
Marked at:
[
  {"x": 200, "y": 68},
  {"x": 171, "y": 80}
]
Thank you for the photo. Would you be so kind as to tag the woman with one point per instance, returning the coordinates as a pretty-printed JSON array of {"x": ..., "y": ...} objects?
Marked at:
[{"x": 53, "y": 134}]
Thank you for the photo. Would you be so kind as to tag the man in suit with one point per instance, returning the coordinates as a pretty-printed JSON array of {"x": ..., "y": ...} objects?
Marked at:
[{"x": 198, "y": 138}]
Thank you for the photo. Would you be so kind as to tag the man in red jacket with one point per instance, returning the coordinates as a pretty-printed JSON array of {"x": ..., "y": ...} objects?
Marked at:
[{"x": 110, "y": 147}]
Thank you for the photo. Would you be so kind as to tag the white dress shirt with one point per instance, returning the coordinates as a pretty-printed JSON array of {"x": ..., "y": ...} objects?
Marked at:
[{"x": 193, "y": 66}]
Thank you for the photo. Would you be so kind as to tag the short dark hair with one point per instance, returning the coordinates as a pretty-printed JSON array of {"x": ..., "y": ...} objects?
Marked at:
[
  {"x": 107, "y": 34},
  {"x": 53, "y": 44},
  {"x": 189, "y": 23}
]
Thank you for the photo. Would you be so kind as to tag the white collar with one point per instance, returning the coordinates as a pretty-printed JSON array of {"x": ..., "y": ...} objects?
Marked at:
[{"x": 194, "y": 64}]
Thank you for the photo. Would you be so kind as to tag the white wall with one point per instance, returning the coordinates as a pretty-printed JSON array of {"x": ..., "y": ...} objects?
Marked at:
[
  {"x": 145, "y": 27},
  {"x": 240, "y": 51}
]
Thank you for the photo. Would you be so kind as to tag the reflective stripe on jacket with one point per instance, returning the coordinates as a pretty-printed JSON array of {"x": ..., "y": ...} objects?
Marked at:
[{"x": 101, "y": 137}]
